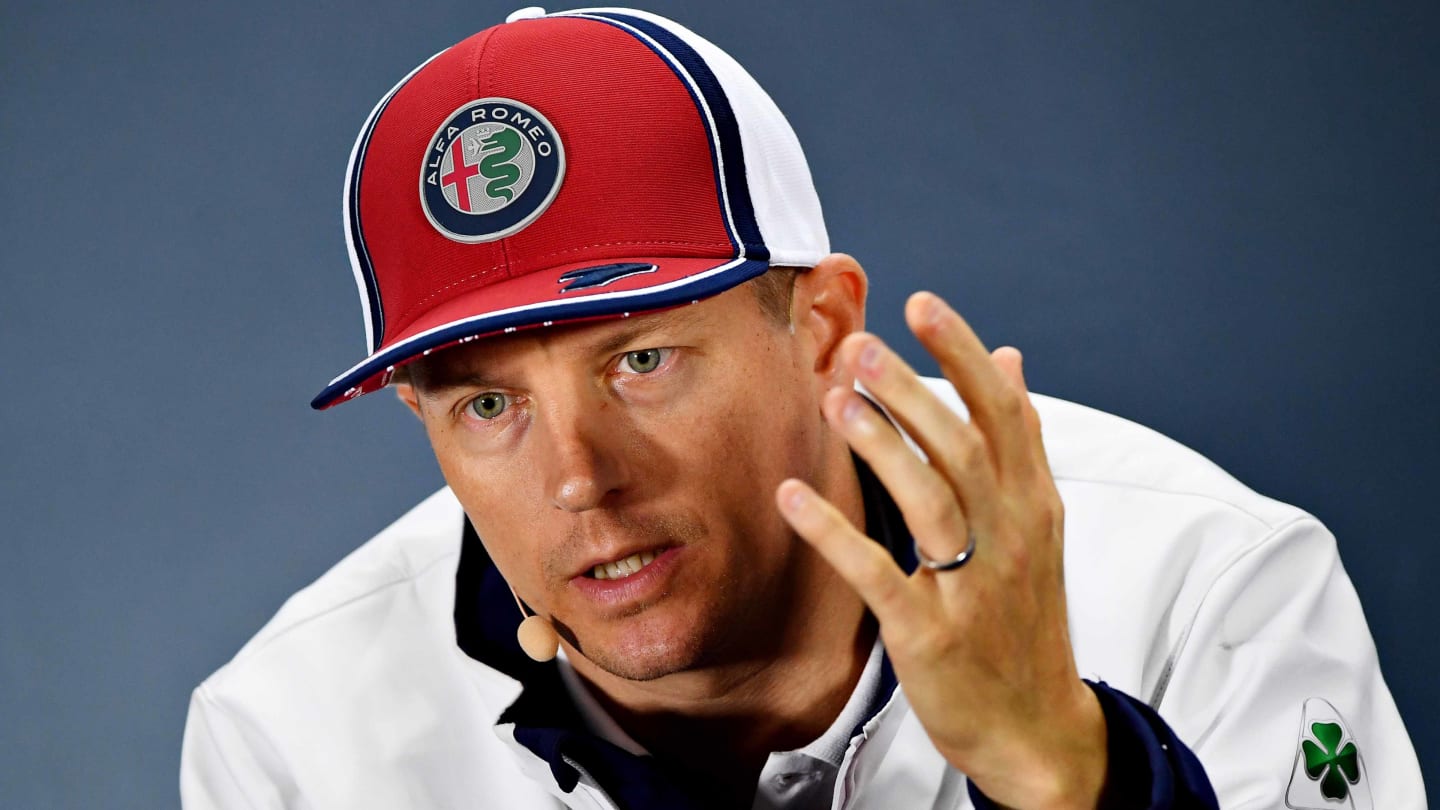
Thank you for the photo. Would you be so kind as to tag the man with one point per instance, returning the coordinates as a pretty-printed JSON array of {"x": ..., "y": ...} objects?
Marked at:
[{"x": 780, "y": 569}]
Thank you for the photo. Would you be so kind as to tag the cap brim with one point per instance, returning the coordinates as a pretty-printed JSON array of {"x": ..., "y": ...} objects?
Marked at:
[{"x": 551, "y": 297}]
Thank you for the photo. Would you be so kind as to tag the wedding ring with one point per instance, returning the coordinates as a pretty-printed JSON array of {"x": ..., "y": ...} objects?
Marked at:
[{"x": 947, "y": 565}]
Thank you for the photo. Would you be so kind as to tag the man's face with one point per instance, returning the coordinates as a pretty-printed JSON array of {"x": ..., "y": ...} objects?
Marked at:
[{"x": 622, "y": 474}]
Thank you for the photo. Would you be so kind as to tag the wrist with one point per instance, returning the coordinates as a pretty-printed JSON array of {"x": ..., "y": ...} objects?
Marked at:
[{"x": 1062, "y": 762}]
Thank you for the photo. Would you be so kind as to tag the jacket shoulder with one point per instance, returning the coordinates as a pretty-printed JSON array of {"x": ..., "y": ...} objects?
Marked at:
[
  {"x": 420, "y": 540},
  {"x": 1090, "y": 447}
]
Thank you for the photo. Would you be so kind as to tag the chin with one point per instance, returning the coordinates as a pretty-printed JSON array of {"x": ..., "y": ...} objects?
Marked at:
[
  {"x": 644, "y": 648},
  {"x": 644, "y": 662},
  {"x": 648, "y": 666}
]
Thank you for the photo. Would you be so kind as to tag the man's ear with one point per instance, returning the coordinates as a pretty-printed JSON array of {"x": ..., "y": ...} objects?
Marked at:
[
  {"x": 406, "y": 393},
  {"x": 828, "y": 304}
]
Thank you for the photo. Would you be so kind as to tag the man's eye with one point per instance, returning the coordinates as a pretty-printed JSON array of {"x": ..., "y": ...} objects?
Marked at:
[
  {"x": 643, "y": 361},
  {"x": 488, "y": 405}
]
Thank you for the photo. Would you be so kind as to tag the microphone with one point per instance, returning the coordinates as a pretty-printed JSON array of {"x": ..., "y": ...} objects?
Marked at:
[{"x": 536, "y": 634}]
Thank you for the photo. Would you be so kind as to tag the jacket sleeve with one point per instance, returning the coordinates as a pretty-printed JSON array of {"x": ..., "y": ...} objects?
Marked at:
[
  {"x": 1276, "y": 686},
  {"x": 1149, "y": 767},
  {"x": 218, "y": 766}
]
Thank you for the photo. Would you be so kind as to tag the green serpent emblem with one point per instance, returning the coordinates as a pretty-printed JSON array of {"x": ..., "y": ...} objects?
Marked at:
[{"x": 499, "y": 149}]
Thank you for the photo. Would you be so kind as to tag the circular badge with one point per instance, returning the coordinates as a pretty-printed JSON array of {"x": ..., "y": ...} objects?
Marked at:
[{"x": 491, "y": 169}]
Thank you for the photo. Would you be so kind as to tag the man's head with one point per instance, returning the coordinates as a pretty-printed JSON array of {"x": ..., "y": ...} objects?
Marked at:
[
  {"x": 552, "y": 226},
  {"x": 656, "y": 440}
]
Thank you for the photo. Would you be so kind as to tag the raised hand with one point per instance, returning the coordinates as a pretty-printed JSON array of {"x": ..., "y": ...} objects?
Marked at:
[{"x": 982, "y": 650}]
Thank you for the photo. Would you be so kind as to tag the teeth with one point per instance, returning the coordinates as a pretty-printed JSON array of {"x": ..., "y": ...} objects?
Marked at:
[{"x": 624, "y": 568}]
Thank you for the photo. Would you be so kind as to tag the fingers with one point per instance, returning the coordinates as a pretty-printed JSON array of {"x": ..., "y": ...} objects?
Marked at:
[
  {"x": 1011, "y": 364},
  {"x": 957, "y": 450},
  {"x": 932, "y": 506},
  {"x": 990, "y": 466},
  {"x": 997, "y": 406},
  {"x": 860, "y": 561}
]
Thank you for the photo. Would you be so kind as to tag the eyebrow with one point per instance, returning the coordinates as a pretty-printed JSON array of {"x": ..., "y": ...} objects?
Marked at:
[
  {"x": 652, "y": 322},
  {"x": 434, "y": 382}
]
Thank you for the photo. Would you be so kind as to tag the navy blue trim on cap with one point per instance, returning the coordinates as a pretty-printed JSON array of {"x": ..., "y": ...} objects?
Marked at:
[
  {"x": 357, "y": 233},
  {"x": 594, "y": 306},
  {"x": 740, "y": 211},
  {"x": 585, "y": 278}
]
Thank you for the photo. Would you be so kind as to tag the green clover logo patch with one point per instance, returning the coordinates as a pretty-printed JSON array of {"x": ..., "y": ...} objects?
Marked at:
[
  {"x": 1336, "y": 768},
  {"x": 1328, "y": 770}
]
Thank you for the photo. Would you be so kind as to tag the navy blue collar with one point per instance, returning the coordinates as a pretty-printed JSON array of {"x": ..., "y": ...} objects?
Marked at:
[{"x": 547, "y": 721}]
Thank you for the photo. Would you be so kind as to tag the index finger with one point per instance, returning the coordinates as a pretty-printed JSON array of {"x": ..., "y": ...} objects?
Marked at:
[{"x": 860, "y": 561}]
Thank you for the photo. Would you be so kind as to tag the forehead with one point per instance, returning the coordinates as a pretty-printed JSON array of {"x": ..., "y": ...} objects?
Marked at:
[{"x": 712, "y": 316}]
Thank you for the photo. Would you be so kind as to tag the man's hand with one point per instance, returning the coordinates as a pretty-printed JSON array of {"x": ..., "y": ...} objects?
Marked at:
[{"x": 982, "y": 651}]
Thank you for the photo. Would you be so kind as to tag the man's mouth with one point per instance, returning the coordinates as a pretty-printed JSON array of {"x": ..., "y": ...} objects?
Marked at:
[
  {"x": 622, "y": 568},
  {"x": 622, "y": 583}
]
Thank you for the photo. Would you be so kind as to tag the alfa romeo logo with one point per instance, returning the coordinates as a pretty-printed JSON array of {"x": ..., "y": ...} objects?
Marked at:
[{"x": 491, "y": 169}]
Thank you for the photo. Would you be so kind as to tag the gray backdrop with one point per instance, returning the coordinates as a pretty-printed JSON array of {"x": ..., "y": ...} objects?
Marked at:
[{"x": 1218, "y": 220}]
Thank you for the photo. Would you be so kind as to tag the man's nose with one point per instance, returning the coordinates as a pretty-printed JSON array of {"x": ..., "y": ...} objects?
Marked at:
[{"x": 581, "y": 452}]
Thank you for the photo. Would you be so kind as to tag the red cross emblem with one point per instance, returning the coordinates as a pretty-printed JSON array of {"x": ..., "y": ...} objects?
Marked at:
[{"x": 459, "y": 175}]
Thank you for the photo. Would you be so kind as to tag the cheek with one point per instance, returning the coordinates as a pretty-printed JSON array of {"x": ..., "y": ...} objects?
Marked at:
[
  {"x": 747, "y": 439},
  {"x": 496, "y": 500}
]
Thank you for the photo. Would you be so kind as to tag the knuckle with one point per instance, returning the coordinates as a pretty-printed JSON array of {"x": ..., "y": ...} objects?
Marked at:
[
  {"x": 1040, "y": 525},
  {"x": 870, "y": 574},
  {"x": 885, "y": 598},
  {"x": 1049, "y": 511},
  {"x": 932, "y": 640},
  {"x": 1018, "y": 561},
  {"x": 971, "y": 452},
  {"x": 1055, "y": 511},
  {"x": 937, "y": 508},
  {"x": 1009, "y": 403},
  {"x": 1032, "y": 418}
]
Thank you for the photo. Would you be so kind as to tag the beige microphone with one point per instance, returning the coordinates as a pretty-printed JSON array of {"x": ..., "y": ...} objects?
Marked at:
[{"x": 536, "y": 634}]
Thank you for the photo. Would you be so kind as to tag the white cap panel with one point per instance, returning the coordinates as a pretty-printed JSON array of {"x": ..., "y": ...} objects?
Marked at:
[{"x": 787, "y": 208}]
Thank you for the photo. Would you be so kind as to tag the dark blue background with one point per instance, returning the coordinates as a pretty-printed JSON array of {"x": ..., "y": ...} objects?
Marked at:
[{"x": 1218, "y": 220}]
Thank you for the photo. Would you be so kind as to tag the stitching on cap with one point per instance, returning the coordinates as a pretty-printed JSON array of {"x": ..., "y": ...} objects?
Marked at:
[
  {"x": 481, "y": 54},
  {"x": 418, "y": 305},
  {"x": 636, "y": 242}
]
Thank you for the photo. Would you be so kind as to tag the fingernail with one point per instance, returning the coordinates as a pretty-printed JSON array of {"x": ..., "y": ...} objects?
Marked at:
[
  {"x": 870, "y": 358},
  {"x": 850, "y": 411},
  {"x": 795, "y": 499},
  {"x": 934, "y": 310}
]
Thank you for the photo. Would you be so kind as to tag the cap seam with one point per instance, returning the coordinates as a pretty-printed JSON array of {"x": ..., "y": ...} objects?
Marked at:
[
  {"x": 479, "y": 70},
  {"x": 480, "y": 54}
]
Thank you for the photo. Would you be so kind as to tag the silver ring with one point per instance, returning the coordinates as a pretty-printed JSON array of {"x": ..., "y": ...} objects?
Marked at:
[{"x": 948, "y": 565}]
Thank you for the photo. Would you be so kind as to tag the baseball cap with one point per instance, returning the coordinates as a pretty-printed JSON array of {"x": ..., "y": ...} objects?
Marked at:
[{"x": 563, "y": 167}]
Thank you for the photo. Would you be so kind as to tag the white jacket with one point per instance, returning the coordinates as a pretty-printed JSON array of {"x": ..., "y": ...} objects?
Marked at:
[{"x": 1227, "y": 612}]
